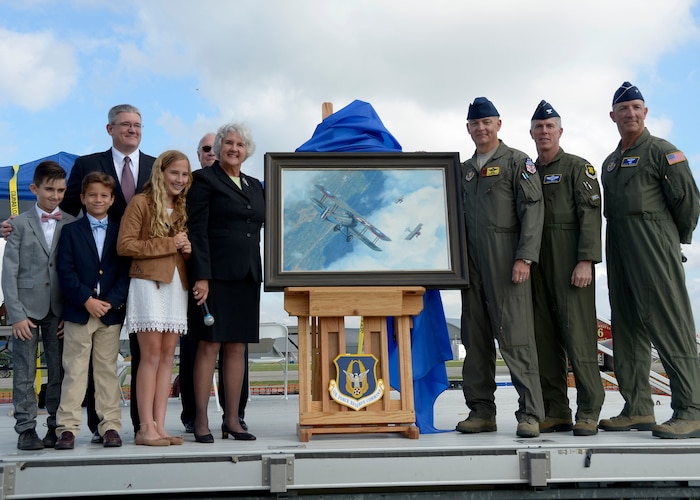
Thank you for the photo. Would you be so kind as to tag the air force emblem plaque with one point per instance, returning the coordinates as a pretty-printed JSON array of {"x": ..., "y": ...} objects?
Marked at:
[{"x": 356, "y": 384}]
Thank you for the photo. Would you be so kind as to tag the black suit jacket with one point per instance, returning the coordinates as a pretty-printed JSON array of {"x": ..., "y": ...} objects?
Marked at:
[
  {"x": 224, "y": 225},
  {"x": 102, "y": 162},
  {"x": 79, "y": 268}
]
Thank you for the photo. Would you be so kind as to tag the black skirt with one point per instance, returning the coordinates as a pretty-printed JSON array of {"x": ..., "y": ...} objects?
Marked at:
[{"x": 235, "y": 306}]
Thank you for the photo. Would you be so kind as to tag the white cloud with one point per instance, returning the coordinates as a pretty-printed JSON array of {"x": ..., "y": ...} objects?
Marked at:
[{"x": 39, "y": 70}]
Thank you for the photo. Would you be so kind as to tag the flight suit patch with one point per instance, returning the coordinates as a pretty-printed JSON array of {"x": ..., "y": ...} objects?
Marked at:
[
  {"x": 552, "y": 179},
  {"x": 590, "y": 171},
  {"x": 530, "y": 166},
  {"x": 611, "y": 166},
  {"x": 630, "y": 161},
  {"x": 470, "y": 175},
  {"x": 673, "y": 158},
  {"x": 490, "y": 171}
]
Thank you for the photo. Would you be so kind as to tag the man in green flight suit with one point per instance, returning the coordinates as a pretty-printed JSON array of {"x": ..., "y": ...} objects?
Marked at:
[
  {"x": 563, "y": 282},
  {"x": 651, "y": 205},
  {"x": 504, "y": 213}
]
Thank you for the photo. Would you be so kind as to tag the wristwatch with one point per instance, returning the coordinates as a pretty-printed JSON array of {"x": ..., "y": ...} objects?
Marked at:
[{"x": 527, "y": 262}]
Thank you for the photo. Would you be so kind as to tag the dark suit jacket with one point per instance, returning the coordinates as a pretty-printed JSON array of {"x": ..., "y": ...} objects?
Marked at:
[
  {"x": 102, "y": 162},
  {"x": 79, "y": 268},
  {"x": 224, "y": 225}
]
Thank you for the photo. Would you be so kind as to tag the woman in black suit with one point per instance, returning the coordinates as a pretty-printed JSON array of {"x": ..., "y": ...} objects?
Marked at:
[{"x": 226, "y": 211}]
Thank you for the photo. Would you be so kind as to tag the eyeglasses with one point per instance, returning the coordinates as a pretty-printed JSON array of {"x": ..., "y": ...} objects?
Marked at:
[
  {"x": 206, "y": 149},
  {"x": 137, "y": 126}
]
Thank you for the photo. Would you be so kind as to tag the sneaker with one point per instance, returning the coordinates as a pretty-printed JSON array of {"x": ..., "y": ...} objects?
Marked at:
[
  {"x": 586, "y": 427},
  {"x": 677, "y": 428},
  {"x": 555, "y": 424},
  {"x": 627, "y": 423},
  {"x": 528, "y": 427},
  {"x": 472, "y": 425}
]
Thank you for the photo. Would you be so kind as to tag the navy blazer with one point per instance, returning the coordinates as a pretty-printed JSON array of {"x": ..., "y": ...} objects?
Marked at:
[
  {"x": 79, "y": 268},
  {"x": 102, "y": 162},
  {"x": 224, "y": 225}
]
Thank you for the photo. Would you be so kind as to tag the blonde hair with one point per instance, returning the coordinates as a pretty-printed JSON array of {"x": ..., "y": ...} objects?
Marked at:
[{"x": 157, "y": 194}]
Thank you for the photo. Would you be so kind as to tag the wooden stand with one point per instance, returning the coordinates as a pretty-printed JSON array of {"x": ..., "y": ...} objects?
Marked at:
[{"x": 321, "y": 313}]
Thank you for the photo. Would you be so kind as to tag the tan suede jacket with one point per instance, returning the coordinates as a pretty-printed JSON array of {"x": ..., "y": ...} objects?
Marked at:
[{"x": 151, "y": 258}]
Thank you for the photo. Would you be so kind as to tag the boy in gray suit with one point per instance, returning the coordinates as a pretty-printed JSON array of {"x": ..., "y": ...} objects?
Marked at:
[{"x": 34, "y": 304}]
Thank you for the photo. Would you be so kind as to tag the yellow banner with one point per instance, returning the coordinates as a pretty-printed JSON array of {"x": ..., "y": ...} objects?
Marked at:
[
  {"x": 14, "y": 197},
  {"x": 361, "y": 339}
]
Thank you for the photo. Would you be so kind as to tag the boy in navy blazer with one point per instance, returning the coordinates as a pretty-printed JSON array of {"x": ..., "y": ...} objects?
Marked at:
[
  {"x": 34, "y": 302},
  {"x": 95, "y": 282}
]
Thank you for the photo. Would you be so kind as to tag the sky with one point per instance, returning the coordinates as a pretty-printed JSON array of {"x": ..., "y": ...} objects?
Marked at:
[{"x": 193, "y": 66}]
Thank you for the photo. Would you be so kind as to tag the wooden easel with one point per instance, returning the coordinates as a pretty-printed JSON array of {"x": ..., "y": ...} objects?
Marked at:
[{"x": 321, "y": 315}]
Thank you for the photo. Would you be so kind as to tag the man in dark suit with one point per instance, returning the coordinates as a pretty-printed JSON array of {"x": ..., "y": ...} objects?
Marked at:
[{"x": 124, "y": 126}]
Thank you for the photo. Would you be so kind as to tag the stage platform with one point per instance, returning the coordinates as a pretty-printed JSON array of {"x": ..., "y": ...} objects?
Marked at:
[{"x": 448, "y": 465}]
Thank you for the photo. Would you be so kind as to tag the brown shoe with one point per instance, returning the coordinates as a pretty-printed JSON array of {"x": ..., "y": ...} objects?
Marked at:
[
  {"x": 66, "y": 441},
  {"x": 140, "y": 440},
  {"x": 627, "y": 423},
  {"x": 528, "y": 427},
  {"x": 473, "y": 425},
  {"x": 111, "y": 439},
  {"x": 556, "y": 424},
  {"x": 677, "y": 428},
  {"x": 585, "y": 427}
]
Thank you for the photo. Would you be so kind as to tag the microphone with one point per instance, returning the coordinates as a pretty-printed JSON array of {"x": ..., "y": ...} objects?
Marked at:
[{"x": 208, "y": 318}]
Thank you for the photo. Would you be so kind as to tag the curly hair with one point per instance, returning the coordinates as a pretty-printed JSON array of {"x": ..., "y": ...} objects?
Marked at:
[{"x": 157, "y": 193}]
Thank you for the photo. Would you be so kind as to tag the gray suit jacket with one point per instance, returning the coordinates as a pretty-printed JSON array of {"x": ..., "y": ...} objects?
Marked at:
[{"x": 29, "y": 279}]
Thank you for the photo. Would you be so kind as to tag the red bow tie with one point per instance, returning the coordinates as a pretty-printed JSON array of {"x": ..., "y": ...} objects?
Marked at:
[{"x": 56, "y": 216}]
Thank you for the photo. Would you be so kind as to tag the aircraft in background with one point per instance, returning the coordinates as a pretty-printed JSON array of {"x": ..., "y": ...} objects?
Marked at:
[
  {"x": 413, "y": 233},
  {"x": 398, "y": 200},
  {"x": 346, "y": 221}
]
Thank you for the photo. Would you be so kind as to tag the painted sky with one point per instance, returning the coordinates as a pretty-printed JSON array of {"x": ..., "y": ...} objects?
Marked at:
[{"x": 192, "y": 66}]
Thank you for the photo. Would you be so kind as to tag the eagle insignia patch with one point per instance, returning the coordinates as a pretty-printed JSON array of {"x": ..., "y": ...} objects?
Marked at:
[
  {"x": 590, "y": 171},
  {"x": 356, "y": 384}
]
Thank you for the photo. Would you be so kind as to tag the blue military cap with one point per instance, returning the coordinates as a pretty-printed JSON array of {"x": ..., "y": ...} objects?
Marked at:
[
  {"x": 545, "y": 110},
  {"x": 627, "y": 92},
  {"x": 481, "y": 108}
]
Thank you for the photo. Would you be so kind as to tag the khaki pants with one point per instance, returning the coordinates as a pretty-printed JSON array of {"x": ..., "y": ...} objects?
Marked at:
[{"x": 80, "y": 342}]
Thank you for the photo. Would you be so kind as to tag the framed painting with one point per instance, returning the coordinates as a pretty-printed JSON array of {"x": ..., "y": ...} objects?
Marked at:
[{"x": 364, "y": 219}]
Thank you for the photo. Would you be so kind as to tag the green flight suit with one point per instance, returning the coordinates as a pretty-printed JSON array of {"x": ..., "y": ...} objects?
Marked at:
[
  {"x": 504, "y": 213},
  {"x": 651, "y": 206},
  {"x": 565, "y": 316}
]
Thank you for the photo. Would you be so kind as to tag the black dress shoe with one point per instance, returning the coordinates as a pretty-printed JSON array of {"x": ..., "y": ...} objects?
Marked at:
[
  {"x": 189, "y": 427},
  {"x": 111, "y": 439},
  {"x": 66, "y": 441},
  {"x": 96, "y": 438},
  {"x": 205, "y": 438},
  {"x": 240, "y": 436},
  {"x": 243, "y": 424},
  {"x": 29, "y": 440},
  {"x": 50, "y": 438}
]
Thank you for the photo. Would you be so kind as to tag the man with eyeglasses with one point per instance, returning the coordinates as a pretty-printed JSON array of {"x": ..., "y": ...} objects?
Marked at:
[{"x": 124, "y": 125}]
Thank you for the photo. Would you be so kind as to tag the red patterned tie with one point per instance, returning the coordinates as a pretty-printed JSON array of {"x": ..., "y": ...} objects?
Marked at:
[{"x": 128, "y": 184}]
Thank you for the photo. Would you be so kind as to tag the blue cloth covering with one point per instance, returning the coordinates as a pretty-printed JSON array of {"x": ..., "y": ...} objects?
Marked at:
[{"x": 357, "y": 127}]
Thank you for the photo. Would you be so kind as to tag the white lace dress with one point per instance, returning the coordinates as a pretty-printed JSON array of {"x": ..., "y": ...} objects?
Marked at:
[{"x": 160, "y": 307}]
